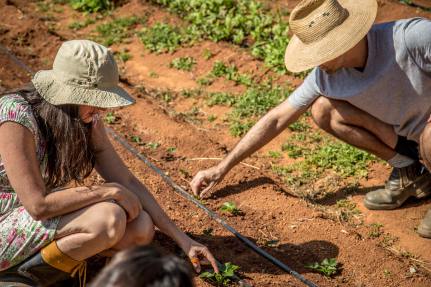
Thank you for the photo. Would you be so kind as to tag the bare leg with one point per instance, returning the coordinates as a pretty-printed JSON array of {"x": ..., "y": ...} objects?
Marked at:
[
  {"x": 91, "y": 230},
  {"x": 355, "y": 127}
]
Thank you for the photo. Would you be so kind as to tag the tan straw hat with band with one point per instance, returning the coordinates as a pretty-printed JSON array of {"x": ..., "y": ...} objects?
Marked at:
[
  {"x": 83, "y": 73},
  {"x": 326, "y": 29}
]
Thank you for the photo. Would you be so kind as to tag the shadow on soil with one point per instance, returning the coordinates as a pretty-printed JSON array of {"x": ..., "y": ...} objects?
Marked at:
[
  {"x": 242, "y": 186},
  {"x": 230, "y": 249}
]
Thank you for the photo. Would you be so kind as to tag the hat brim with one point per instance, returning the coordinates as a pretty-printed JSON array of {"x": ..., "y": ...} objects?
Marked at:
[
  {"x": 58, "y": 93},
  {"x": 300, "y": 56}
]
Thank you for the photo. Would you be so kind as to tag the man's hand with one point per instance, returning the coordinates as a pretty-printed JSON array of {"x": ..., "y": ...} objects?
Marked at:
[{"x": 205, "y": 180}]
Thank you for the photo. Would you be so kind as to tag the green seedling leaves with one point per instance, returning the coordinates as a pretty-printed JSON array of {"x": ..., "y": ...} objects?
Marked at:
[
  {"x": 224, "y": 278},
  {"x": 328, "y": 267},
  {"x": 183, "y": 63},
  {"x": 231, "y": 208}
]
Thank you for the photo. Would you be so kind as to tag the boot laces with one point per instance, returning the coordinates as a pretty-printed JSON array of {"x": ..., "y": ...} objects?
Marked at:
[{"x": 81, "y": 270}]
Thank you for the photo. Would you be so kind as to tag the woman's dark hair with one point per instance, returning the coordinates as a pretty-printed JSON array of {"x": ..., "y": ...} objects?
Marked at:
[
  {"x": 144, "y": 266},
  {"x": 67, "y": 138}
]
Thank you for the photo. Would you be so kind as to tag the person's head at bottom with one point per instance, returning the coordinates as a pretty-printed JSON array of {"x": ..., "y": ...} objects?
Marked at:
[{"x": 144, "y": 266}]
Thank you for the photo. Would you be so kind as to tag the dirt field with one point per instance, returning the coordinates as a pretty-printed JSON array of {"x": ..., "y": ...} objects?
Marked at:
[{"x": 308, "y": 223}]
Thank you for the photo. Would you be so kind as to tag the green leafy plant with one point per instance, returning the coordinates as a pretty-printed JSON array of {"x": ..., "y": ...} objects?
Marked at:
[
  {"x": 224, "y": 99},
  {"x": 224, "y": 278},
  {"x": 124, "y": 55},
  {"x": 153, "y": 74},
  {"x": 183, "y": 63},
  {"x": 161, "y": 38},
  {"x": 211, "y": 118},
  {"x": 153, "y": 145},
  {"x": 171, "y": 149},
  {"x": 110, "y": 118},
  {"x": 117, "y": 31},
  {"x": 207, "y": 54},
  {"x": 328, "y": 267},
  {"x": 91, "y": 6},
  {"x": 81, "y": 25},
  {"x": 137, "y": 139},
  {"x": 242, "y": 22},
  {"x": 274, "y": 154},
  {"x": 231, "y": 73},
  {"x": 376, "y": 230},
  {"x": 231, "y": 208}
]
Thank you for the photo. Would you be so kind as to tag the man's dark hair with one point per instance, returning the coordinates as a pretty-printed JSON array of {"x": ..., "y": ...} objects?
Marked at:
[
  {"x": 144, "y": 266},
  {"x": 67, "y": 138}
]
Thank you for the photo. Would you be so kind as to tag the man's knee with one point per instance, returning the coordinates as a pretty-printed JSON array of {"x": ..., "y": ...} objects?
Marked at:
[
  {"x": 109, "y": 223},
  {"x": 144, "y": 229},
  {"x": 321, "y": 112}
]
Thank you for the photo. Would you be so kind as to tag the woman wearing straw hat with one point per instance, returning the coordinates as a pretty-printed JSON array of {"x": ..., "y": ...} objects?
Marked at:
[
  {"x": 50, "y": 135},
  {"x": 370, "y": 87}
]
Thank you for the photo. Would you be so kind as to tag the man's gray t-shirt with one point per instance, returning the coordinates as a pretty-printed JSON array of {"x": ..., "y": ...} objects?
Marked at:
[{"x": 395, "y": 85}]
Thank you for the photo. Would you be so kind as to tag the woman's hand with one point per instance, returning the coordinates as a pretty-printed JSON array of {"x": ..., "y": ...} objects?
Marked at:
[
  {"x": 126, "y": 199},
  {"x": 199, "y": 254},
  {"x": 205, "y": 180}
]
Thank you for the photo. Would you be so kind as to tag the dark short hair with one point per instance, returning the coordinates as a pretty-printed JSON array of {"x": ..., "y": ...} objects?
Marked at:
[{"x": 144, "y": 266}]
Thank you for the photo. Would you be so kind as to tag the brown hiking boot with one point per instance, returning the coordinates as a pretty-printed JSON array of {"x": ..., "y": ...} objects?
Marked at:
[
  {"x": 413, "y": 180},
  {"x": 424, "y": 228}
]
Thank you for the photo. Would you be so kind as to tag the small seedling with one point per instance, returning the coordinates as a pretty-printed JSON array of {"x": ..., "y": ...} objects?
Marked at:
[
  {"x": 136, "y": 139},
  {"x": 171, "y": 149},
  {"x": 375, "y": 230},
  {"x": 124, "y": 56},
  {"x": 230, "y": 207},
  {"x": 183, "y": 63},
  {"x": 110, "y": 118},
  {"x": 153, "y": 145},
  {"x": 328, "y": 267},
  {"x": 274, "y": 154},
  {"x": 153, "y": 74},
  {"x": 81, "y": 25},
  {"x": 211, "y": 118},
  {"x": 207, "y": 54},
  {"x": 224, "y": 278}
]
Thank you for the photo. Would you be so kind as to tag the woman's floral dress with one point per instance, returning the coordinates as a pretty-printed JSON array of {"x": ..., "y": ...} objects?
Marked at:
[{"x": 20, "y": 235}]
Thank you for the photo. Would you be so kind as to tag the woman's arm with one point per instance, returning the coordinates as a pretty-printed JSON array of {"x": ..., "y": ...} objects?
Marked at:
[
  {"x": 110, "y": 166},
  {"x": 18, "y": 153}
]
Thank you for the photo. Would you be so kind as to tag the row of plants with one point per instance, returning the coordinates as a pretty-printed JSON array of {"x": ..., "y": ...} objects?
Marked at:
[{"x": 242, "y": 22}]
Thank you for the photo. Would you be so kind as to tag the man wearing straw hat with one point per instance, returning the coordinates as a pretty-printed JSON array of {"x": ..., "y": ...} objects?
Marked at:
[{"x": 370, "y": 87}]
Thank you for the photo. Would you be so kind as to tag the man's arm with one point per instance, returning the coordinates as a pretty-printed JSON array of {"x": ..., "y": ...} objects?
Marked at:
[{"x": 267, "y": 128}]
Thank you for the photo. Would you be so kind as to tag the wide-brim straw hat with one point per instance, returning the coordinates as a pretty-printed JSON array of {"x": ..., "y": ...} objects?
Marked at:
[
  {"x": 326, "y": 29},
  {"x": 83, "y": 73}
]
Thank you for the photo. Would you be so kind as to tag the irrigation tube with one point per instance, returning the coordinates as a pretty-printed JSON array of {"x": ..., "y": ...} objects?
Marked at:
[
  {"x": 211, "y": 213},
  {"x": 185, "y": 194}
]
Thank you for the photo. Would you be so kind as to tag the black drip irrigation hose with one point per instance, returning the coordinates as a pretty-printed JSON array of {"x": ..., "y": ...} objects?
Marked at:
[
  {"x": 209, "y": 212},
  {"x": 187, "y": 195}
]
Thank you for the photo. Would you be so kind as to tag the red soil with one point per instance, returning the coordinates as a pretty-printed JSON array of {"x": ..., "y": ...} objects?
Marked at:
[{"x": 304, "y": 231}]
